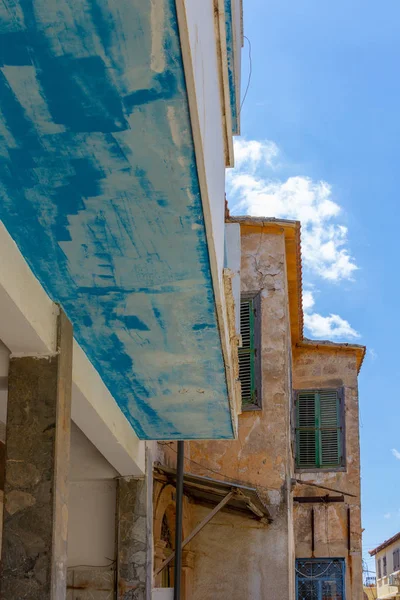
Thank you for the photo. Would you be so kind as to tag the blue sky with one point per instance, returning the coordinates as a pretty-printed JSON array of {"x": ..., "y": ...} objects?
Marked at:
[{"x": 320, "y": 142}]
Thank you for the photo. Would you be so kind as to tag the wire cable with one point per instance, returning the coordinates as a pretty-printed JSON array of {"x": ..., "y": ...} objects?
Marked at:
[{"x": 250, "y": 73}]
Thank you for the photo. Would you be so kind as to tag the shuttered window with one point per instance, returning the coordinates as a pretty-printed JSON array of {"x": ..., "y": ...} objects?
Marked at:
[
  {"x": 249, "y": 355},
  {"x": 318, "y": 429},
  {"x": 379, "y": 569},
  {"x": 396, "y": 560},
  {"x": 384, "y": 564}
]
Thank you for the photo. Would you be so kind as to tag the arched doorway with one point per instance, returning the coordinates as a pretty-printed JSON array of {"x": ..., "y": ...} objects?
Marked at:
[{"x": 164, "y": 539}]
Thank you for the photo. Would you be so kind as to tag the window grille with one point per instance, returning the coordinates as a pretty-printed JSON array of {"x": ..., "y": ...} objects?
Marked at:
[{"x": 320, "y": 579}]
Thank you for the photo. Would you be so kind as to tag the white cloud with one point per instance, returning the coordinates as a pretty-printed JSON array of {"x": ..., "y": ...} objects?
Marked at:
[
  {"x": 387, "y": 516},
  {"x": 330, "y": 327},
  {"x": 250, "y": 191},
  {"x": 308, "y": 300},
  {"x": 396, "y": 453},
  {"x": 251, "y": 153},
  {"x": 373, "y": 355}
]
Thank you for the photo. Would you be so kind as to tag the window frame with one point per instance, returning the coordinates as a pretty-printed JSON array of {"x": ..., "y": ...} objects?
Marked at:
[
  {"x": 255, "y": 297},
  {"x": 342, "y": 465},
  {"x": 379, "y": 565},
  {"x": 384, "y": 566}
]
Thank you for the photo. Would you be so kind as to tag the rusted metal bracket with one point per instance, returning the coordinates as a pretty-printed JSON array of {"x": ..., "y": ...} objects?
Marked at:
[
  {"x": 314, "y": 499},
  {"x": 322, "y": 487},
  {"x": 197, "y": 529}
]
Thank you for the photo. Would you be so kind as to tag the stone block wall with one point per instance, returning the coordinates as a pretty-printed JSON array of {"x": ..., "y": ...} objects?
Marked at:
[
  {"x": 258, "y": 559},
  {"x": 319, "y": 369}
]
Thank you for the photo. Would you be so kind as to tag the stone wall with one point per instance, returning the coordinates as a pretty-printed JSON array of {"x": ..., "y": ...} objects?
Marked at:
[
  {"x": 34, "y": 545},
  {"x": 236, "y": 557},
  {"x": 327, "y": 368},
  {"x": 258, "y": 559},
  {"x": 134, "y": 538}
]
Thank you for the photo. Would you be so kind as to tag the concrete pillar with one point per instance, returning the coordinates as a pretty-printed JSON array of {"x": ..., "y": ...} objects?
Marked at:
[
  {"x": 34, "y": 552},
  {"x": 134, "y": 538}
]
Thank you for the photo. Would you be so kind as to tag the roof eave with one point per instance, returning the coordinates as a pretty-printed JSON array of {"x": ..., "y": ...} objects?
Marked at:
[{"x": 385, "y": 544}]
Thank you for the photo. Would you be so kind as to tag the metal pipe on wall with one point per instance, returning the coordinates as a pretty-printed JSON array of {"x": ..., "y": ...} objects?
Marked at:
[
  {"x": 312, "y": 532},
  {"x": 179, "y": 520},
  {"x": 348, "y": 529}
]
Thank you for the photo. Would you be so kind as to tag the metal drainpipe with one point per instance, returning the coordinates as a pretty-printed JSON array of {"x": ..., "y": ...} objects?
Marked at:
[{"x": 178, "y": 522}]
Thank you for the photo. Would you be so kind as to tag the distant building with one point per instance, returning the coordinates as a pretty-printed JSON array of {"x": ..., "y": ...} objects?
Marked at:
[
  {"x": 292, "y": 528},
  {"x": 387, "y": 565}
]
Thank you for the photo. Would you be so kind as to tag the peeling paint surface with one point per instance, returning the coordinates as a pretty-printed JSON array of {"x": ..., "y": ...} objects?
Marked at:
[
  {"x": 99, "y": 189},
  {"x": 230, "y": 47}
]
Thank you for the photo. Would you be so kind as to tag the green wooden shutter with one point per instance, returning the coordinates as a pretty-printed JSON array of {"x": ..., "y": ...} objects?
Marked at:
[
  {"x": 306, "y": 430},
  {"x": 247, "y": 353},
  {"x": 318, "y": 430},
  {"x": 329, "y": 431}
]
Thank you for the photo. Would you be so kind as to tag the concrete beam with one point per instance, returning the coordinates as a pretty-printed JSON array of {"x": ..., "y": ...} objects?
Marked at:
[
  {"x": 27, "y": 325},
  {"x": 97, "y": 414},
  {"x": 28, "y": 316}
]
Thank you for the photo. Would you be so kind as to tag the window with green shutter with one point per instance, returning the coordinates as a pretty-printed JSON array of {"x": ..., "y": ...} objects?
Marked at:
[
  {"x": 319, "y": 436},
  {"x": 249, "y": 354}
]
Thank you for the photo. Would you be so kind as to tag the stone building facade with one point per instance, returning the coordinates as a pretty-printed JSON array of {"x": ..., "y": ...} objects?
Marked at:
[{"x": 304, "y": 464}]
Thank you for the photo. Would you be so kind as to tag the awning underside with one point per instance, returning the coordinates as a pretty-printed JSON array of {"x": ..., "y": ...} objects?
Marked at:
[{"x": 205, "y": 490}]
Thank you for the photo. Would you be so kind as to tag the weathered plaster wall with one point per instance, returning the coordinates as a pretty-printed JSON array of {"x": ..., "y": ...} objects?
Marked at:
[
  {"x": 232, "y": 262},
  {"x": 92, "y": 503},
  {"x": 91, "y": 531},
  {"x": 258, "y": 560},
  {"x": 234, "y": 558},
  {"x": 259, "y": 457},
  {"x": 314, "y": 369}
]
